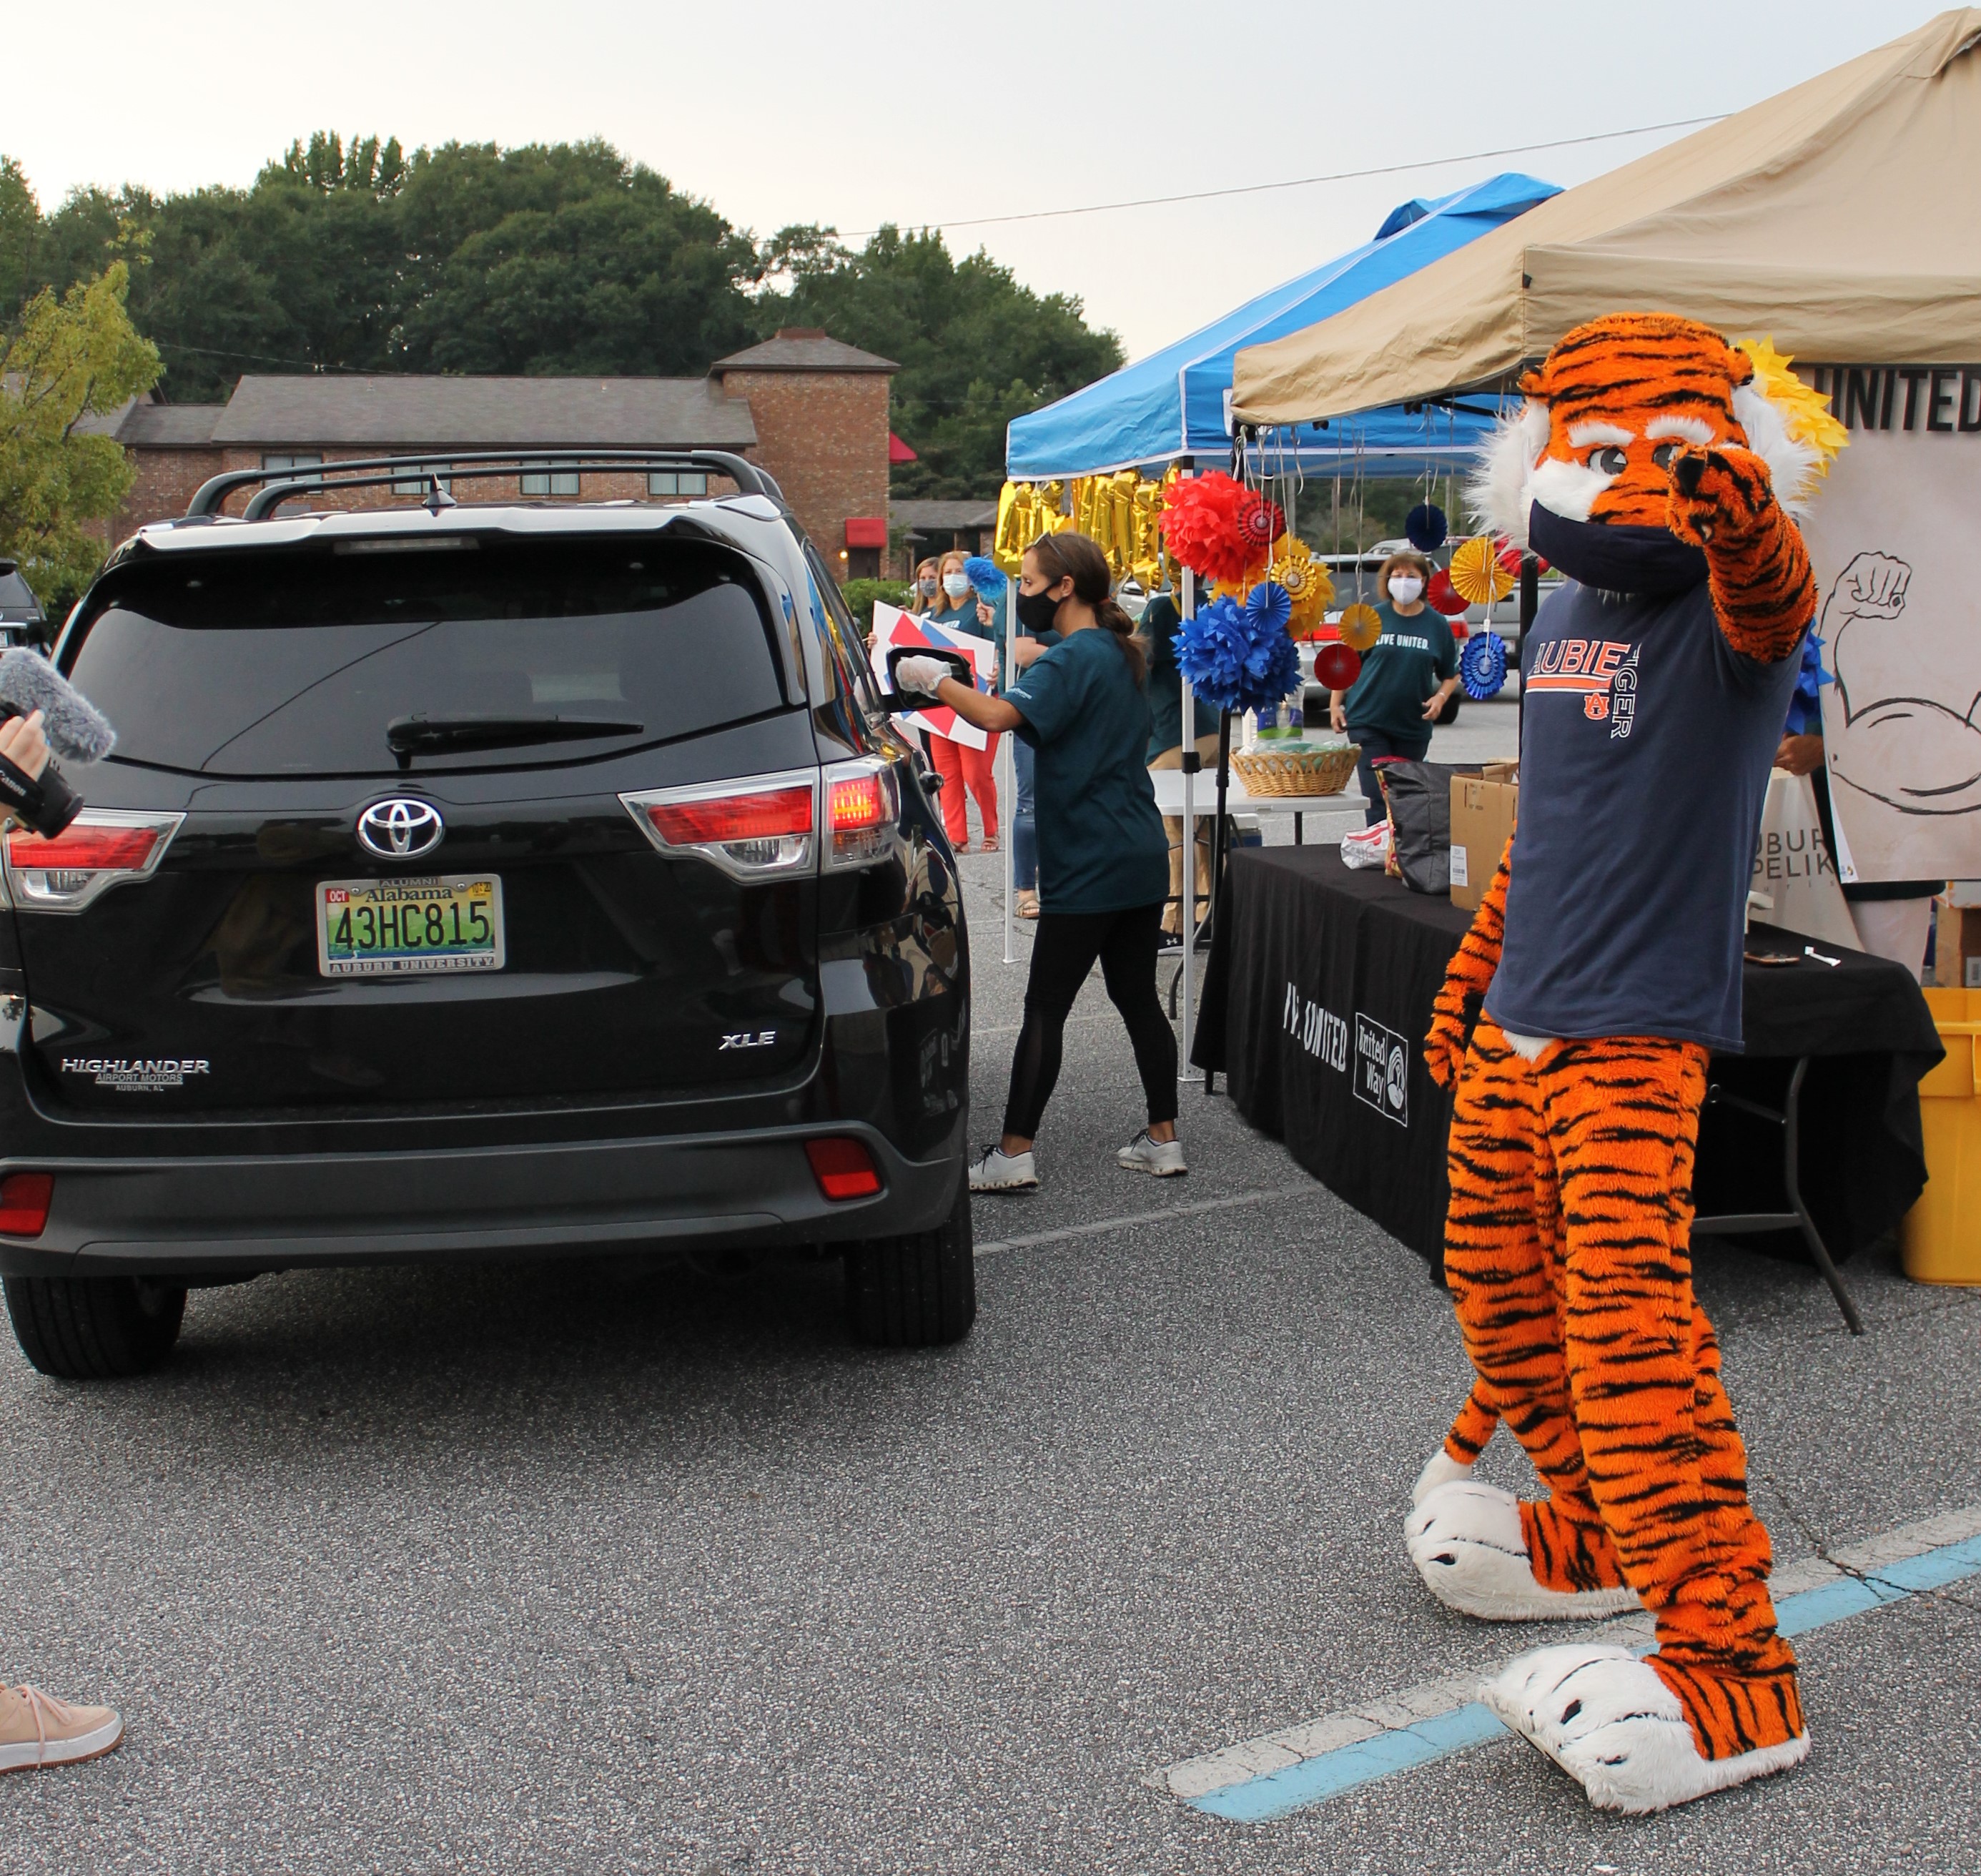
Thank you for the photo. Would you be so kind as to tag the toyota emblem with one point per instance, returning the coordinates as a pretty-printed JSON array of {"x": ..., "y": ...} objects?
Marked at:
[{"x": 401, "y": 828}]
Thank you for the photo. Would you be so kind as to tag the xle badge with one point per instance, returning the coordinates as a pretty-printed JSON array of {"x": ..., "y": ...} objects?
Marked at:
[{"x": 748, "y": 1038}]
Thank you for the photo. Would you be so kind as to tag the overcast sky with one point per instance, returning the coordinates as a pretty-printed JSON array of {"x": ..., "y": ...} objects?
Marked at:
[{"x": 855, "y": 112}]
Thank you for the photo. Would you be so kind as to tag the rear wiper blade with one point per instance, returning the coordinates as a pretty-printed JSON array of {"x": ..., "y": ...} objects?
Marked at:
[{"x": 413, "y": 736}]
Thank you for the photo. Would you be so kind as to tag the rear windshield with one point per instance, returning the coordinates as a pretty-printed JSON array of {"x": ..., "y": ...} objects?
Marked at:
[
  {"x": 15, "y": 593},
  {"x": 301, "y": 663}
]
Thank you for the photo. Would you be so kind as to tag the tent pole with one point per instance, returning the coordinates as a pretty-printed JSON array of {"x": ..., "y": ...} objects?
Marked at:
[
  {"x": 1187, "y": 916},
  {"x": 1531, "y": 588},
  {"x": 1008, "y": 768}
]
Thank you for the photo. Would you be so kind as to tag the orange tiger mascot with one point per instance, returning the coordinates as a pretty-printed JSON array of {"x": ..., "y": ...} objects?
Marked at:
[{"x": 1574, "y": 1027}]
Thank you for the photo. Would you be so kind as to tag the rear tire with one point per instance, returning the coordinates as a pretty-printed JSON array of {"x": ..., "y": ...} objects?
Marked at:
[
  {"x": 94, "y": 1329},
  {"x": 916, "y": 1291}
]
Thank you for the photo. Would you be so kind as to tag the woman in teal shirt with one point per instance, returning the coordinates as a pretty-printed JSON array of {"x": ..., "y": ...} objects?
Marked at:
[
  {"x": 1408, "y": 676},
  {"x": 1104, "y": 857}
]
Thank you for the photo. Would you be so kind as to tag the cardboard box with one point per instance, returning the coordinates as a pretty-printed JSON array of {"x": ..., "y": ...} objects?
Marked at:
[{"x": 1482, "y": 821}]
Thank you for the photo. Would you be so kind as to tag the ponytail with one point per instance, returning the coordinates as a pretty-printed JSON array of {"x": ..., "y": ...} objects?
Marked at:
[{"x": 1079, "y": 558}]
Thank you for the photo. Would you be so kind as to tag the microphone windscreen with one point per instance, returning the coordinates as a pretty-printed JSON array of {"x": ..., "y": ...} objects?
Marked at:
[{"x": 74, "y": 727}]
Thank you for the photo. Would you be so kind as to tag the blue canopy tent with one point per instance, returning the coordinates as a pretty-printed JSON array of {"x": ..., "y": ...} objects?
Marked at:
[{"x": 1176, "y": 403}]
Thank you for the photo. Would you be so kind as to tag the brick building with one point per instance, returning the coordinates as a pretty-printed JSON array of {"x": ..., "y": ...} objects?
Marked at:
[{"x": 812, "y": 411}]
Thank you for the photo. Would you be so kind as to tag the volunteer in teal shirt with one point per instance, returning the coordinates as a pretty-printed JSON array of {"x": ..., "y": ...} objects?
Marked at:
[
  {"x": 1408, "y": 674},
  {"x": 1104, "y": 857}
]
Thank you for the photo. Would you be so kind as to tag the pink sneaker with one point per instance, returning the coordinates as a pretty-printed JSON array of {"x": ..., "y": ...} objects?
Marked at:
[{"x": 37, "y": 1730}]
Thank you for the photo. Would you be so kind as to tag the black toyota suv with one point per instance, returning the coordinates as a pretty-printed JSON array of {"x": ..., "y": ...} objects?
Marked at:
[{"x": 475, "y": 880}]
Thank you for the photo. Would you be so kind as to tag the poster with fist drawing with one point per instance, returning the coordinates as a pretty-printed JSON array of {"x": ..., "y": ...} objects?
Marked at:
[{"x": 1893, "y": 536}]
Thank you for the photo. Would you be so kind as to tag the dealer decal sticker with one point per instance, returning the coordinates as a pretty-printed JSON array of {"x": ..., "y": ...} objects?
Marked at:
[{"x": 141, "y": 1076}]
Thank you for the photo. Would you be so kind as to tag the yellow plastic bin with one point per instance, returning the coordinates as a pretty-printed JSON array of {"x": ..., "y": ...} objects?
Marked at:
[{"x": 1942, "y": 1238}]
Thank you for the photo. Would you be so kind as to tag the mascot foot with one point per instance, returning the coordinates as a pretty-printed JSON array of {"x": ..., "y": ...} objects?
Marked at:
[
  {"x": 1440, "y": 1469},
  {"x": 1466, "y": 1541},
  {"x": 1609, "y": 1721}
]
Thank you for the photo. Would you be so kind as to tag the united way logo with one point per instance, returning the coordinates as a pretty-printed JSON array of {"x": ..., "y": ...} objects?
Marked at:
[{"x": 1382, "y": 1070}]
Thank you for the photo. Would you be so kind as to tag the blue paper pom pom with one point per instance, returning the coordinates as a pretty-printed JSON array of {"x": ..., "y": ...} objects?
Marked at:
[
  {"x": 985, "y": 575},
  {"x": 1239, "y": 658},
  {"x": 1424, "y": 527},
  {"x": 1210, "y": 652},
  {"x": 1482, "y": 665}
]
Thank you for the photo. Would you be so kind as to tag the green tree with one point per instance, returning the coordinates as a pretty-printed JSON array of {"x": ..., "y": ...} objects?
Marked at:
[
  {"x": 565, "y": 259},
  {"x": 62, "y": 361},
  {"x": 976, "y": 348}
]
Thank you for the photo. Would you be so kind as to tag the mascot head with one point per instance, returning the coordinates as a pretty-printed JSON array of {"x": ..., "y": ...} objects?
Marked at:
[{"x": 1618, "y": 397}]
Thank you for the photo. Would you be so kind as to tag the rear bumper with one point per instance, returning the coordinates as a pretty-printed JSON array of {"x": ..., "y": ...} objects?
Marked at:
[{"x": 276, "y": 1212}]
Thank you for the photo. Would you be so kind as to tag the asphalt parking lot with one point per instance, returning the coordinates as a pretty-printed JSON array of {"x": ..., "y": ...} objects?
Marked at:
[{"x": 602, "y": 1568}]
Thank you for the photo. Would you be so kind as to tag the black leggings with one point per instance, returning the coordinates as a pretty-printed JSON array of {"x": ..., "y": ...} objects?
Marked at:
[{"x": 1063, "y": 953}]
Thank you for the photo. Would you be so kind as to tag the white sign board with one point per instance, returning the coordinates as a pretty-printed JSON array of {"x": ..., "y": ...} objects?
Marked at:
[{"x": 1894, "y": 535}]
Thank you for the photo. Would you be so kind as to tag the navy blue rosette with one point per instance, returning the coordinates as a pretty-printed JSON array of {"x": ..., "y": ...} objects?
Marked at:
[{"x": 1482, "y": 665}]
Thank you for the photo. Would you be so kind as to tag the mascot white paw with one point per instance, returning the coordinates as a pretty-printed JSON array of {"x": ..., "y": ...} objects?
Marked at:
[
  {"x": 1466, "y": 1541},
  {"x": 1606, "y": 1719}
]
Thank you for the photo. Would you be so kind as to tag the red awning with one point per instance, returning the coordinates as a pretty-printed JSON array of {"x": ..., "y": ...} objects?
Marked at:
[
  {"x": 898, "y": 452},
  {"x": 866, "y": 530}
]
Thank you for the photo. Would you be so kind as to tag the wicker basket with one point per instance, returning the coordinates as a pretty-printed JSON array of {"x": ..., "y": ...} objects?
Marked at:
[{"x": 1267, "y": 771}]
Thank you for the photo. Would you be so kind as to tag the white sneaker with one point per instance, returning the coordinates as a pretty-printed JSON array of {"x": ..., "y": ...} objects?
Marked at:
[
  {"x": 1162, "y": 1158},
  {"x": 1000, "y": 1171}
]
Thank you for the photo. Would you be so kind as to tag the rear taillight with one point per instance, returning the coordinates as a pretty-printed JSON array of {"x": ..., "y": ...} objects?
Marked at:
[
  {"x": 101, "y": 847},
  {"x": 764, "y": 826},
  {"x": 842, "y": 1168},
  {"x": 759, "y": 828},
  {"x": 25, "y": 1198},
  {"x": 862, "y": 810}
]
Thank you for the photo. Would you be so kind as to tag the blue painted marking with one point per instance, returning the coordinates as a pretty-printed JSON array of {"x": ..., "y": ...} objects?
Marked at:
[
  {"x": 1328, "y": 1774},
  {"x": 1273, "y": 1794}
]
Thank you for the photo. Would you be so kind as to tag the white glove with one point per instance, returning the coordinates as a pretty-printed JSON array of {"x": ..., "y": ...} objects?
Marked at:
[{"x": 922, "y": 673}]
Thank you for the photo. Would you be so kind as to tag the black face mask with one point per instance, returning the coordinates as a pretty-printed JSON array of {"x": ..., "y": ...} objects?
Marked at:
[{"x": 1037, "y": 610}]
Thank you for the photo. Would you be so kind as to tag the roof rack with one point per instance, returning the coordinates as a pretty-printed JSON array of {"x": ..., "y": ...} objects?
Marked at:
[{"x": 285, "y": 484}]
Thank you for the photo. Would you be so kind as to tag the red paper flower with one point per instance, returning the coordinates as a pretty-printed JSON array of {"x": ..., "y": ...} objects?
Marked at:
[
  {"x": 1202, "y": 523},
  {"x": 1337, "y": 666},
  {"x": 1439, "y": 593}
]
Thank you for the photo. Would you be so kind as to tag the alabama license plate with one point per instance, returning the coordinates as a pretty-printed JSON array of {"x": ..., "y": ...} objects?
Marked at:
[{"x": 406, "y": 928}]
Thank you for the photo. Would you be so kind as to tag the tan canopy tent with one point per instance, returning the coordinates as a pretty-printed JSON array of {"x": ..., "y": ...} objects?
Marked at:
[{"x": 1843, "y": 217}]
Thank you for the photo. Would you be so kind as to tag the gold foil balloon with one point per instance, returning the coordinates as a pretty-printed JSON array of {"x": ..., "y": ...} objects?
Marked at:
[
  {"x": 1476, "y": 576},
  {"x": 1361, "y": 626}
]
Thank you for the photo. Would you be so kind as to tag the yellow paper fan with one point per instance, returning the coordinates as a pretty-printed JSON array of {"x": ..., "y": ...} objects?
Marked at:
[
  {"x": 1476, "y": 576},
  {"x": 1361, "y": 626},
  {"x": 1806, "y": 412},
  {"x": 1307, "y": 585}
]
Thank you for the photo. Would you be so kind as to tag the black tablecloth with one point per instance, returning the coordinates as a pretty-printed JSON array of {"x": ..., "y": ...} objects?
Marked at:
[{"x": 1318, "y": 993}]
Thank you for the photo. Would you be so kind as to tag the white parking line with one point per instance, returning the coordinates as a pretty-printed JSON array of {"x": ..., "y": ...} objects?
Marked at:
[
  {"x": 1301, "y": 1766},
  {"x": 1130, "y": 1220}
]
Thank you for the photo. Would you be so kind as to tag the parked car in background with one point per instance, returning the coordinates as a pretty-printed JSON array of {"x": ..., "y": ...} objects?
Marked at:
[
  {"x": 478, "y": 880},
  {"x": 21, "y": 620}
]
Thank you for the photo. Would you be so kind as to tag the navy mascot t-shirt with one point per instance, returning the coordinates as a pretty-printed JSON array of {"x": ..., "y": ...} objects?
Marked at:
[
  {"x": 1102, "y": 848},
  {"x": 1645, "y": 749}
]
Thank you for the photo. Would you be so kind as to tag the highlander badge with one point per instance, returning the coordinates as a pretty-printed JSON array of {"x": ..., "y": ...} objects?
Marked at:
[{"x": 401, "y": 828}]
